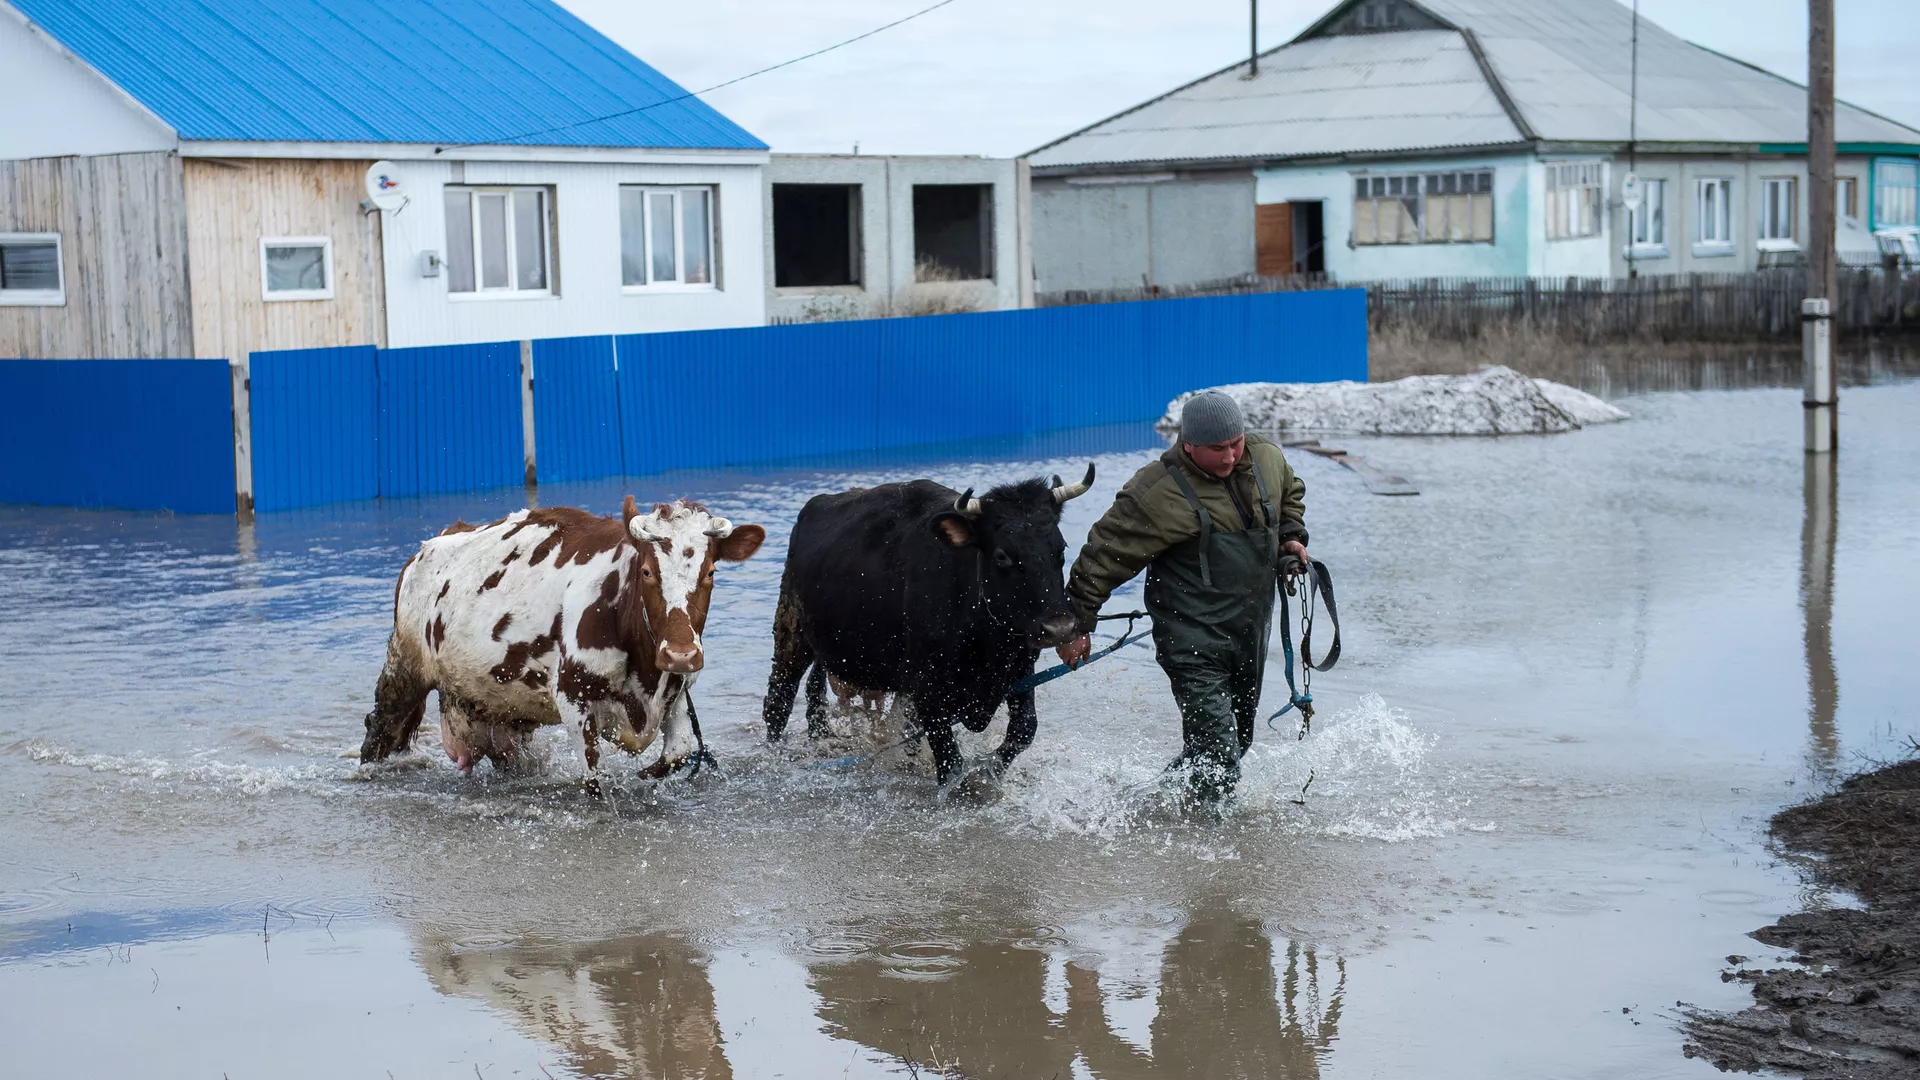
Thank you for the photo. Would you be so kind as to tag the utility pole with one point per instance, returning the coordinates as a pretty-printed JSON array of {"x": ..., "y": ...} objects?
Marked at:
[
  {"x": 1634, "y": 198},
  {"x": 1816, "y": 311}
]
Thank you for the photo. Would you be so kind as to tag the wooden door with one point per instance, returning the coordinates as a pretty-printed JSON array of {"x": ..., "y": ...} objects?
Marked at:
[{"x": 1273, "y": 239}]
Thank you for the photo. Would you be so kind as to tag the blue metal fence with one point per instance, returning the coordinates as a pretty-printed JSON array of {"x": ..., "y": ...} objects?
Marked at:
[
  {"x": 351, "y": 423},
  {"x": 315, "y": 414},
  {"x": 450, "y": 418},
  {"x": 132, "y": 434},
  {"x": 576, "y": 408}
]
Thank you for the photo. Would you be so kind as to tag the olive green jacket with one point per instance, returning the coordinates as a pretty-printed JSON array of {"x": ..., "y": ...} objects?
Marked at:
[{"x": 1151, "y": 515}]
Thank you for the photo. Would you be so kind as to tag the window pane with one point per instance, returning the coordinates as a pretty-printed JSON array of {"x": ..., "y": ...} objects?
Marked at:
[
  {"x": 1408, "y": 211},
  {"x": 493, "y": 240},
  {"x": 33, "y": 266},
  {"x": 459, "y": 241},
  {"x": 300, "y": 268},
  {"x": 660, "y": 235},
  {"x": 530, "y": 239},
  {"x": 696, "y": 236},
  {"x": 633, "y": 236},
  {"x": 1482, "y": 211},
  {"x": 1360, "y": 187},
  {"x": 1457, "y": 219},
  {"x": 1486, "y": 181},
  {"x": 1363, "y": 222},
  {"x": 1379, "y": 186}
]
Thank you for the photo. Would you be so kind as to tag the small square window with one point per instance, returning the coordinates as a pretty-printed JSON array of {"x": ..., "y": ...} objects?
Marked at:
[
  {"x": 30, "y": 270},
  {"x": 296, "y": 268}
]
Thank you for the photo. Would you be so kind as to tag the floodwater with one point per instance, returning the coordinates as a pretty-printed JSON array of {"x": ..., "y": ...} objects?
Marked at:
[{"x": 1581, "y": 671}]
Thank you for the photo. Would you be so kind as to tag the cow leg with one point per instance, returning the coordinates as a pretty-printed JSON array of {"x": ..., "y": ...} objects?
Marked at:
[
  {"x": 791, "y": 657},
  {"x": 1023, "y": 720},
  {"x": 946, "y": 751},
  {"x": 817, "y": 701},
  {"x": 399, "y": 703},
  {"x": 678, "y": 739},
  {"x": 578, "y": 716},
  {"x": 456, "y": 731}
]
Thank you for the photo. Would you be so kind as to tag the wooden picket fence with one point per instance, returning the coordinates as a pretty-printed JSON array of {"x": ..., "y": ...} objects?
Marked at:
[{"x": 1667, "y": 307}]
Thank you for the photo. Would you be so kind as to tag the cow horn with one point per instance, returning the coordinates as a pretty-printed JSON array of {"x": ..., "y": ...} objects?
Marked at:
[
  {"x": 967, "y": 504},
  {"x": 1072, "y": 491},
  {"x": 720, "y": 527},
  {"x": 638, "y": 528}
]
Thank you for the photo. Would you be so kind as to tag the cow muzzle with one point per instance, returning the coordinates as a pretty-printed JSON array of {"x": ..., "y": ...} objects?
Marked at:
[
  {"x": 1050, "y": 632},
  {"x": 679, "y": 659}
]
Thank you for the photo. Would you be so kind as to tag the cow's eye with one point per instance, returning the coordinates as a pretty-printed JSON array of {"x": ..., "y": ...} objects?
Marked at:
[
  {"x": 1002, "y": 560},
  {"x": 647, "y": 572}
]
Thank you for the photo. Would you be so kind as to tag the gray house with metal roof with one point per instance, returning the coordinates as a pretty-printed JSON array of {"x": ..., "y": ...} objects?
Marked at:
[{"x": 1434, "y": 138}]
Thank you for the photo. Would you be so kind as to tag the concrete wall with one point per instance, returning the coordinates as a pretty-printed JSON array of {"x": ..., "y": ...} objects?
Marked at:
[
  {"x": 588, "y": 297},
  {"x": 58, "y": 105},
  {"x": 887, "y": 284},
  {"x": 1117, "y": 232},
  {"x": 1515, "y": 220}
]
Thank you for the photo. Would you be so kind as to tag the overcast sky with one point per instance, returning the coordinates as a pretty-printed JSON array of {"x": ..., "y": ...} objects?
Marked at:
[{"x": 1001, "y": 77}]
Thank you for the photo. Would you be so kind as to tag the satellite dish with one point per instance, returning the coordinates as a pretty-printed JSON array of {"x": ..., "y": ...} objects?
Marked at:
[{"x": 384, "y": 186}]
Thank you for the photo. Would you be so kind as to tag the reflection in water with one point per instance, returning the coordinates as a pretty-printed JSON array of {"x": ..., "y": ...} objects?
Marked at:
[
  {"x": 1221, "y": 1012},
  {"x": 637, "y": 1006},
  {"x": 1822, "y": 495}
]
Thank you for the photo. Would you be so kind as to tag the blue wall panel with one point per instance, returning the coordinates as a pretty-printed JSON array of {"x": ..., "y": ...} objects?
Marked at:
[
  {"x": 576, "y": 409},
  {"x": 450, "y": 418},
  {"x": 315, "y": 418},
  {"x": 132, "y": 434}
]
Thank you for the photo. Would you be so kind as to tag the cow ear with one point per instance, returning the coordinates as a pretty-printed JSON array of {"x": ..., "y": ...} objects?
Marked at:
[
  {"x": 741, "y": 543},
  {"x": 628, "y": 512},
  {"x": 955, "y": 530}
]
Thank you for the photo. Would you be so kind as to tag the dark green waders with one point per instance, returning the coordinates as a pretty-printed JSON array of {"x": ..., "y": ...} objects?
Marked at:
[{"x": 1211, "y": 598}]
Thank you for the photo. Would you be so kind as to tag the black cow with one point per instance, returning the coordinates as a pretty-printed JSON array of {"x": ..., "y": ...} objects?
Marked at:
[{"x": 922, "y": 591}]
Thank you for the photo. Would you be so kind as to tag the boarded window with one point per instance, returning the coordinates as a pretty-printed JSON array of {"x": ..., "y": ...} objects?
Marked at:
[
  {"x": 1574, "y": 199},
  {"x": 952, "y": 232},
  {"x": 816, "y": 235},
  {"x": 1427, "y": 208},
  {"x": 1273, "y": 239}
]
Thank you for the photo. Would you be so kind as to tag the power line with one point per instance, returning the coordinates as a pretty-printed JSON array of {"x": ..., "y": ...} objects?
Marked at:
[{"x": 701, "y": 93}]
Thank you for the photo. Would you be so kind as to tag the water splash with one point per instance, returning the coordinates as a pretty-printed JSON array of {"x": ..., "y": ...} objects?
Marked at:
[{"x": 223, "y": 775}]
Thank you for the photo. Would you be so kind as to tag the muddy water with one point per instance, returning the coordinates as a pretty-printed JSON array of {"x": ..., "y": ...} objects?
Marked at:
[{"x": 1581, "y": 672}]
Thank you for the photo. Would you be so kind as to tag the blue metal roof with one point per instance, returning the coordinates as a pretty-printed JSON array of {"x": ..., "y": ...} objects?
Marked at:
[{"x": 381, "y": 71}]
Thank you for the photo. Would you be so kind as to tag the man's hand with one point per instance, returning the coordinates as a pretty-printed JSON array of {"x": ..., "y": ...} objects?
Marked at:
[
  {"x": 1074, "y": 653},
  {"x": 1299, "y": 551}
]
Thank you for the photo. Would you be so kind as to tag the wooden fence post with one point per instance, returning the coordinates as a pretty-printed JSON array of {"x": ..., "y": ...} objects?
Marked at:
[
  {"x": 241, "y": 373},
  {"x": 526, "y": 411}
]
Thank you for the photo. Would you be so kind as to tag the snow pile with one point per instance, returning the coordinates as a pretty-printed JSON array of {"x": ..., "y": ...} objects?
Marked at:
[{"x": 1492, "y": 401}]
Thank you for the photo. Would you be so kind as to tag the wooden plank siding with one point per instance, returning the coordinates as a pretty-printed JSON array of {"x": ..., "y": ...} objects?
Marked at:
[
  {"x": 232, "y": 205},
  {"x": 122, "y": 225}
]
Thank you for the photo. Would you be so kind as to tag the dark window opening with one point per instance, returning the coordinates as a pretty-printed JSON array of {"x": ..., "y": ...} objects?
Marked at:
[
  {"x": 816, "y": 235},
  {"x": 1309, "y": 238},
  {"x": 952, "y": 232}
]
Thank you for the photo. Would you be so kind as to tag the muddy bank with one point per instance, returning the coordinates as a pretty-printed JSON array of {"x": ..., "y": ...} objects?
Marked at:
[{"x": 1853, "y": 1010}]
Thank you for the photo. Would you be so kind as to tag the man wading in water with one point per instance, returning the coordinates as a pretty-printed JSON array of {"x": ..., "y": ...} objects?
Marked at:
[{"x": 1210, "y": 522}]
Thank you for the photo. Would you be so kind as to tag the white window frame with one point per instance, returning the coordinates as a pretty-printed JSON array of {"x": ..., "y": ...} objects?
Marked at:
[
  {"x": 324, "y": 243},
  {"x": 1771, "y": 189},
  {"x": 1655, "y": 245},
  {"x": 56, "y": 297},
  {"x": 1904, "y": 190},
  {"x": 1846, "y": 189},
  {"x": 678, "y": 284},
  {"x": 511, "y": 290},
  {"x": 1576, "y": 199},
  {"x": 1704, "y": 245}
]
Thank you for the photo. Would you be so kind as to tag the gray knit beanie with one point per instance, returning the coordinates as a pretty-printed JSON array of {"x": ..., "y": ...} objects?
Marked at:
[{"x": 1209, "y": 418}]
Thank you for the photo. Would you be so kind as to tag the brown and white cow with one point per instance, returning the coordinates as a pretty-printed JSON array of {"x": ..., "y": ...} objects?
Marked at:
[{"x": 555, "y": 616}]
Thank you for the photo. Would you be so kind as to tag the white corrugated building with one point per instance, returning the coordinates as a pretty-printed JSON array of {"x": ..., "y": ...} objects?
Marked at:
[{"x": 1396, "y": 139}]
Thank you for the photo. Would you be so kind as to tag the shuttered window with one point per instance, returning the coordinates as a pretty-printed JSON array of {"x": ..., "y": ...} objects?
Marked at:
[{"x": 30, "y": 270}]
